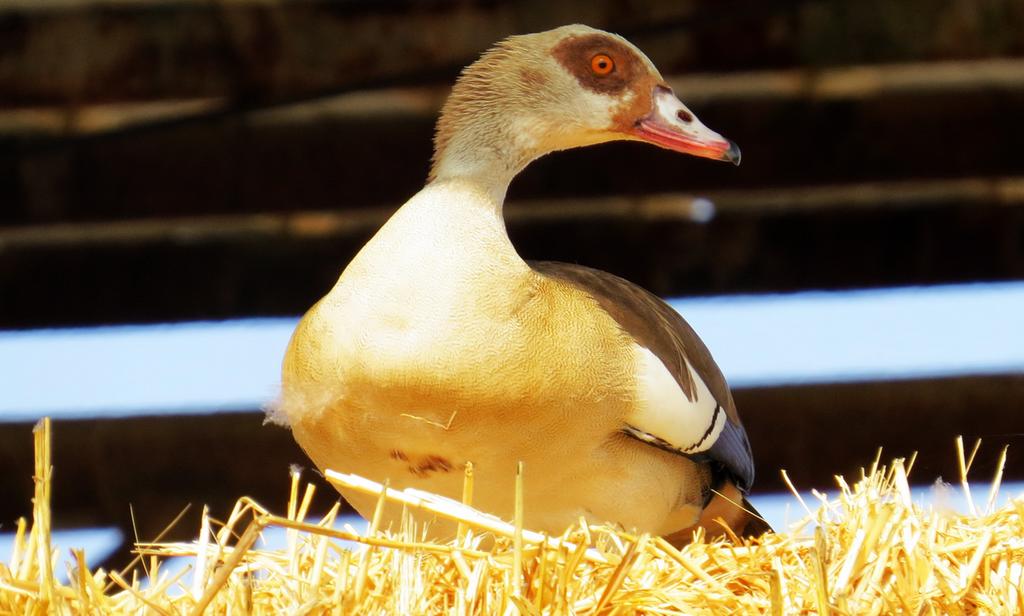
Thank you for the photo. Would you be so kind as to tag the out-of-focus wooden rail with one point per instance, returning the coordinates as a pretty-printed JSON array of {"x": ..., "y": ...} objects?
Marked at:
[
  {"x": 1008, "y": 192},
  {"x": 79, "y": 52},
  {"x": 424, "y": 102},
  {"x": 724, "y": 241}
]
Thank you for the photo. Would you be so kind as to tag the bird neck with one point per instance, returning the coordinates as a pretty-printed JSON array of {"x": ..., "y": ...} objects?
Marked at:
[
  {"x": 486, "y": 134},
  {"x": 486, "y": 154}
]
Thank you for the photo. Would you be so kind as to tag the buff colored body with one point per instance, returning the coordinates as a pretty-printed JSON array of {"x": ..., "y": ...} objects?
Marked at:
[{"x": 439, "y": 345}]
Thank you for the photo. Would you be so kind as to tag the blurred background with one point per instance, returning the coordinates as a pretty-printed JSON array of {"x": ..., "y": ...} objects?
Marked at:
[{"x": 180, "y": 179}]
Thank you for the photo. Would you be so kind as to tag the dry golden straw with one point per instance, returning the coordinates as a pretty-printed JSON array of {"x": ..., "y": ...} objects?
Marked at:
[{"x": 870, "y": 550}]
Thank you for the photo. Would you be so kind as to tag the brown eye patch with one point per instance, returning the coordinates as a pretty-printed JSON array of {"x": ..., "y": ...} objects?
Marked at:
[{"x": 578, "y": 53}]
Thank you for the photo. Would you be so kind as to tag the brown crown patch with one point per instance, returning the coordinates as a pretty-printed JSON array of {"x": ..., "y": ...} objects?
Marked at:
[{"x": 575, "y": 53}]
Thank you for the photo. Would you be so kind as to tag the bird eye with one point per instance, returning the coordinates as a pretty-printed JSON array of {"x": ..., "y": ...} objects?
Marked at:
[{"x": 602, "y": 64}]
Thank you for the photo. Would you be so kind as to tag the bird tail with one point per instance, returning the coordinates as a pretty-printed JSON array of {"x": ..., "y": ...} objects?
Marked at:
[
  {"x": 755, "y": 524},
  {"x": 729, "y": 507}
]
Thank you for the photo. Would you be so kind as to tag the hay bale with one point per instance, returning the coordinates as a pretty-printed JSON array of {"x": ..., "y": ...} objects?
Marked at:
[{"x": 869, "y": 550}]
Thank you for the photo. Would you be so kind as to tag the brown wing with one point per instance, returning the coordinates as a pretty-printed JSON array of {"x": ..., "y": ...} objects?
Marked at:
[{"x": 658, "y": 327}]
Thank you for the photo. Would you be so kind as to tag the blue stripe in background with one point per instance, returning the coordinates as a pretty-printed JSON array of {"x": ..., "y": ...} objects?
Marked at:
[{"x": 758, "y": 340}]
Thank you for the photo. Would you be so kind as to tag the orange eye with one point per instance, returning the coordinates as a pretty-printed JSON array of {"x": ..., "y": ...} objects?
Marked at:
[{"x": 602, "y": 64}]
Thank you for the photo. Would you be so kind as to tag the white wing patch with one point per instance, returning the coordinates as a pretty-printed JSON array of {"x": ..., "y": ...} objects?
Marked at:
[{"x": 664, "y": 413}]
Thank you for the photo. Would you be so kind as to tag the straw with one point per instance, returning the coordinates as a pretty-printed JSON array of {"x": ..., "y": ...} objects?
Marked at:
[{"x": 872, "y": 551}]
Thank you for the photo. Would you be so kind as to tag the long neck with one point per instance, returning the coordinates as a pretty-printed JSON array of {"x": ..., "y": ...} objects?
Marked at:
[
  {"x": 484, "y": 152},
  {"x": 485, "y": 134}
]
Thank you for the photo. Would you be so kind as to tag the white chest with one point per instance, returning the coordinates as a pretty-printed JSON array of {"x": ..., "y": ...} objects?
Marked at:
[{"x": 437, "y": 283}]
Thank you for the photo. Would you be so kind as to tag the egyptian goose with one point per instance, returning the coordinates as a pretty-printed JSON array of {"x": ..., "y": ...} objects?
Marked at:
[{"x": 439, "y": 345}]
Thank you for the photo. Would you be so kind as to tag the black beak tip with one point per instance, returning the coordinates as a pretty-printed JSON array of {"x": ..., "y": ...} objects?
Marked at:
[{"x": 733, "y": 154}]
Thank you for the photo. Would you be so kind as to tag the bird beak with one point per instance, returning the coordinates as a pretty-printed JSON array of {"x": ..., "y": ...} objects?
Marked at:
[{"x": 672, "y": 126}]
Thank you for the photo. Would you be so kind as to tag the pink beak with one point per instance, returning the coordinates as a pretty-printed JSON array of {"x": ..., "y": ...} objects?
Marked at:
[{"x": 672, "y": 126}]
